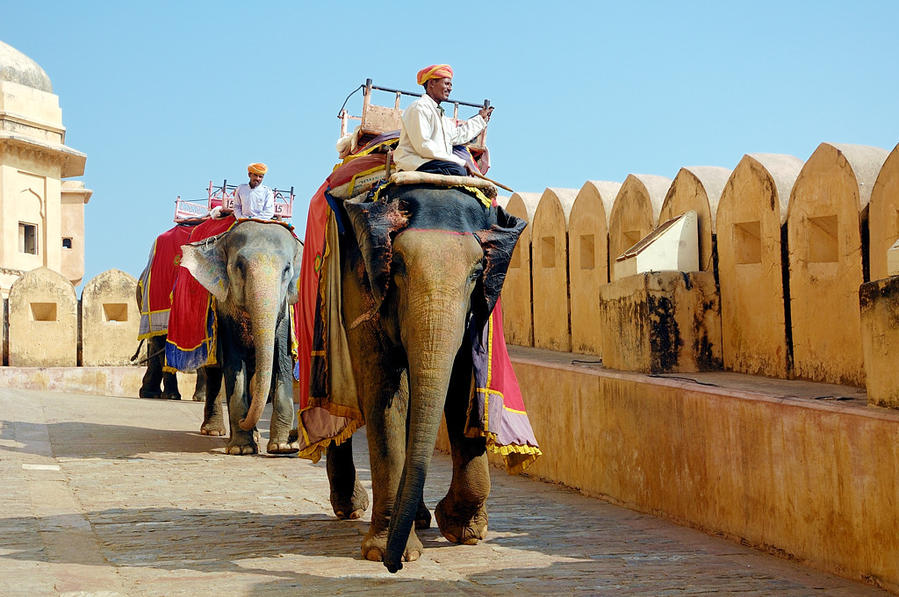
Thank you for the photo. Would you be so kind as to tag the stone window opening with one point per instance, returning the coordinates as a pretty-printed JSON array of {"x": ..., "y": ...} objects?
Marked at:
[
  {"x": 67, "y": 243},
  {"x": 27, "y": 238}
]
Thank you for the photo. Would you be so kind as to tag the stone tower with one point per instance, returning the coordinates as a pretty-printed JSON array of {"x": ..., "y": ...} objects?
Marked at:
[{"x": 41, "y": 216}]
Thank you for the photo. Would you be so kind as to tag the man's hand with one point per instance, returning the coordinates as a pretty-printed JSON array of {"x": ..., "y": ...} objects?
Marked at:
[{"x": 485, "y": 113}]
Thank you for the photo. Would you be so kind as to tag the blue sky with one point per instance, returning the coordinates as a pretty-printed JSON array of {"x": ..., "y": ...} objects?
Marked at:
[{"x": 165, "y": 96}]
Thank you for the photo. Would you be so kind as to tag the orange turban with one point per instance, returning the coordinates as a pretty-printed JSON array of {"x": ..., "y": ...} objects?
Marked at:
[
  {"x": 257, "y": 168},
  {"x": 435, "y": 71}
]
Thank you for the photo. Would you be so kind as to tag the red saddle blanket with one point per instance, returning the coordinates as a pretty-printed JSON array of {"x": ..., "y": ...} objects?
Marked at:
[
  {"x": 191, "y": 340},
  {"x": 158, "y": 279}
]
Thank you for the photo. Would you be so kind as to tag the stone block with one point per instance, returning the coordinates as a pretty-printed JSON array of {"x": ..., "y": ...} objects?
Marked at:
[
  {"x": 825, "y": 228},
  {"x": 518, "y": 323},
  {"x": 549, "y": 269},
  {"x": 674, "y": 245},
  {"x": 883, "y": 219},
  {"x": 697, "y": 189},
  {"x": 109, "y": 319},
  {"x": 751, "y": 221},
  {"x": 879, "y": 303},
  {"x": 661, "y": 322},
  {"x": 588, "y": 261},
  {"x": 635, "y": 212},
  {"x": 43, "y": 321}
]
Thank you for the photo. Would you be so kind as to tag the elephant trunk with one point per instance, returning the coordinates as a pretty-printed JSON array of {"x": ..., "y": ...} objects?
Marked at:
[
  {"x": 263, "y": 309},
  {"x": 431, "y": 350}
]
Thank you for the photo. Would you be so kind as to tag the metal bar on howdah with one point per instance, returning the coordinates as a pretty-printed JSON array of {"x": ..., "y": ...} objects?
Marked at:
[{"x": 368, "y": 85}]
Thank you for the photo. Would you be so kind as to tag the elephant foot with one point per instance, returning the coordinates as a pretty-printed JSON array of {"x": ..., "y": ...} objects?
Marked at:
[
  {"x": 275, "y": 447},
  {"x": 217, "y": 430},
  {"x": 237, "y": 450},
  {"x": 422, "y": 517},
  {"x": 250, "y": 446},
  {"x": 171, "y": 396},
  {"x": 353, "y": 508},
  {"x": 149, "y": 393},
  {"x": 459, "y": 527},
  {"x": 374, "y": 546}
]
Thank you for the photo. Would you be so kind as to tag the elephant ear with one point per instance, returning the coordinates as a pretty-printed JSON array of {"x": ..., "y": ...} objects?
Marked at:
[
  {"x": 293, "y": 288},
  {"x": 374, "y": 225},
  {"x": 206, "y": 262},
  {"x": 498, "y": 242}
]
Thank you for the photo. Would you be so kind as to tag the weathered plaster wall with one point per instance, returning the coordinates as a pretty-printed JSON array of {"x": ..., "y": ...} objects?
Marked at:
[{"x": 816, "y": 482}]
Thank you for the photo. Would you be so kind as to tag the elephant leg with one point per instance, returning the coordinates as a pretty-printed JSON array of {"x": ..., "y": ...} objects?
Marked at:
[
  {"x": 150, "y": 384},
  {"x": 200, "y": 386},
  {"x": 385, "y": 416},
  {"x": 170, "y": 386},
  {"x": 213, "y": 411},
  {"x": 348, "y": 498},
  {"x": 236, "y": 376},
  {"x": 283, "y": 411},
  {"x": 462, "y": 514}
]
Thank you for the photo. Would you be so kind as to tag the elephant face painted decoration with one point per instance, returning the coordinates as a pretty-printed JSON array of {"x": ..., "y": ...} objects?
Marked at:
[
  {"x": 252, "y": 271},
  {"x": 376, "y": 225},
  {"x": 418, "y": 271}
]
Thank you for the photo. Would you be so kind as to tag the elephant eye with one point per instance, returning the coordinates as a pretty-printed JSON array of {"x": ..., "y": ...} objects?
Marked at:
[
  {"x": 398, "y": 266},
  {"x": 286, "y": 271},
  {"x": 476, "y": 272}
]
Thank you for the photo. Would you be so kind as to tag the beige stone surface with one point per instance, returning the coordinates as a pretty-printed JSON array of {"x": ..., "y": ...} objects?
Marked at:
[
  {"x": 43, "y": 321},
  {"x": 801, "y": 469},
  {"x": 883, "y": 215},
  {"x": 588, "y": 261},
  {"x": 518, "y": 322},
  {"x": 100, "y": 381},
  {"x": 635, "y": 212},
  {"x": 549, "y": 269},
  {"x": 825, "y": 222},
  {"x": 672, "y": 246},
  {"x": 110, "y": 320},
  {"x": 750, "y": 220},
  {"x": 73, "y": 198},
  {"x": 879, "y": 301},
  {"x": 664, "y": 322},
  {"x": 113, "y": 496},
  {"x": 697, "y": 188},
  {"x": 33, "y": 160}
]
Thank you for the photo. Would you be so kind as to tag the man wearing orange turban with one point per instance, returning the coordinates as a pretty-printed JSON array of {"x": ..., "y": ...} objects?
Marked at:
[
  {"x": 427, "y": 137},
  {"x": 254, "y": 199}
]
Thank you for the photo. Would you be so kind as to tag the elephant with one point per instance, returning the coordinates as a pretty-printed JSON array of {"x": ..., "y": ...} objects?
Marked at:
[
  {"x": 417, "y": 270},
  {"x": 252, "y": 271}
]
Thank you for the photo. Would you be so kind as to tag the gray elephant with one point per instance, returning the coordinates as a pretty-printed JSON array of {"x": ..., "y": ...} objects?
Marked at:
[
  {"x": 420, "y": 270},
  {"x": 252, "y": 271}
]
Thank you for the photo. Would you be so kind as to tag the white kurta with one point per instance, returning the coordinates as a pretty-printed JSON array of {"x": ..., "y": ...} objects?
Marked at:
[
  {"x": 429, "y": 135},
  {"x": 254, "y": 203}
]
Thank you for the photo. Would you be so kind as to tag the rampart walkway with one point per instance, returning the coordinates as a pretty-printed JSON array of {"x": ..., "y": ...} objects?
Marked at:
[{"x": 118, "y": 496}]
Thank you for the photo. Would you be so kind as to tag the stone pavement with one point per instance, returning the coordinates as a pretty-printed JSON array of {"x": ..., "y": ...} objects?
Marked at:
[{"x": 120, "y": 496}]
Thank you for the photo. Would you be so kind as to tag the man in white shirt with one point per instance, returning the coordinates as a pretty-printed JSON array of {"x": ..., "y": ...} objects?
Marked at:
[
  {"x": 427, "y": 137},
  {"x": 254, "y": 199}
]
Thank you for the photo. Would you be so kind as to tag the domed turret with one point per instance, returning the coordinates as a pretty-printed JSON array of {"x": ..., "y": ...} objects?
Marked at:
[{"x": 19, "y": 68}]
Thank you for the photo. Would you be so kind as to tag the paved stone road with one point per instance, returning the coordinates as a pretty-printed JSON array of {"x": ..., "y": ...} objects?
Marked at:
[{"x": 118, "y": 496}]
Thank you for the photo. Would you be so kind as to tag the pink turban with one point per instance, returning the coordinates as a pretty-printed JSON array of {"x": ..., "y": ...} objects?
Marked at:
[{"x": 435, "y": 71}]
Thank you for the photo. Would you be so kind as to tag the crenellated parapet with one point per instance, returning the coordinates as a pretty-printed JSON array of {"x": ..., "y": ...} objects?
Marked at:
[
  {"x": 49, "y": 327},
  {"x": 781, "y": 249}
]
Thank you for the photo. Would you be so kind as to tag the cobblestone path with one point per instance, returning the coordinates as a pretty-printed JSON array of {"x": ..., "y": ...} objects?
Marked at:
[{"x": 118, "y": 496}]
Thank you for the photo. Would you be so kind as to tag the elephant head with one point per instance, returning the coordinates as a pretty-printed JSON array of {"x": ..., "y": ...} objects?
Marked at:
[
  {"x": 252, "y": 270},
  {"x": 434, "y": 259}
]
